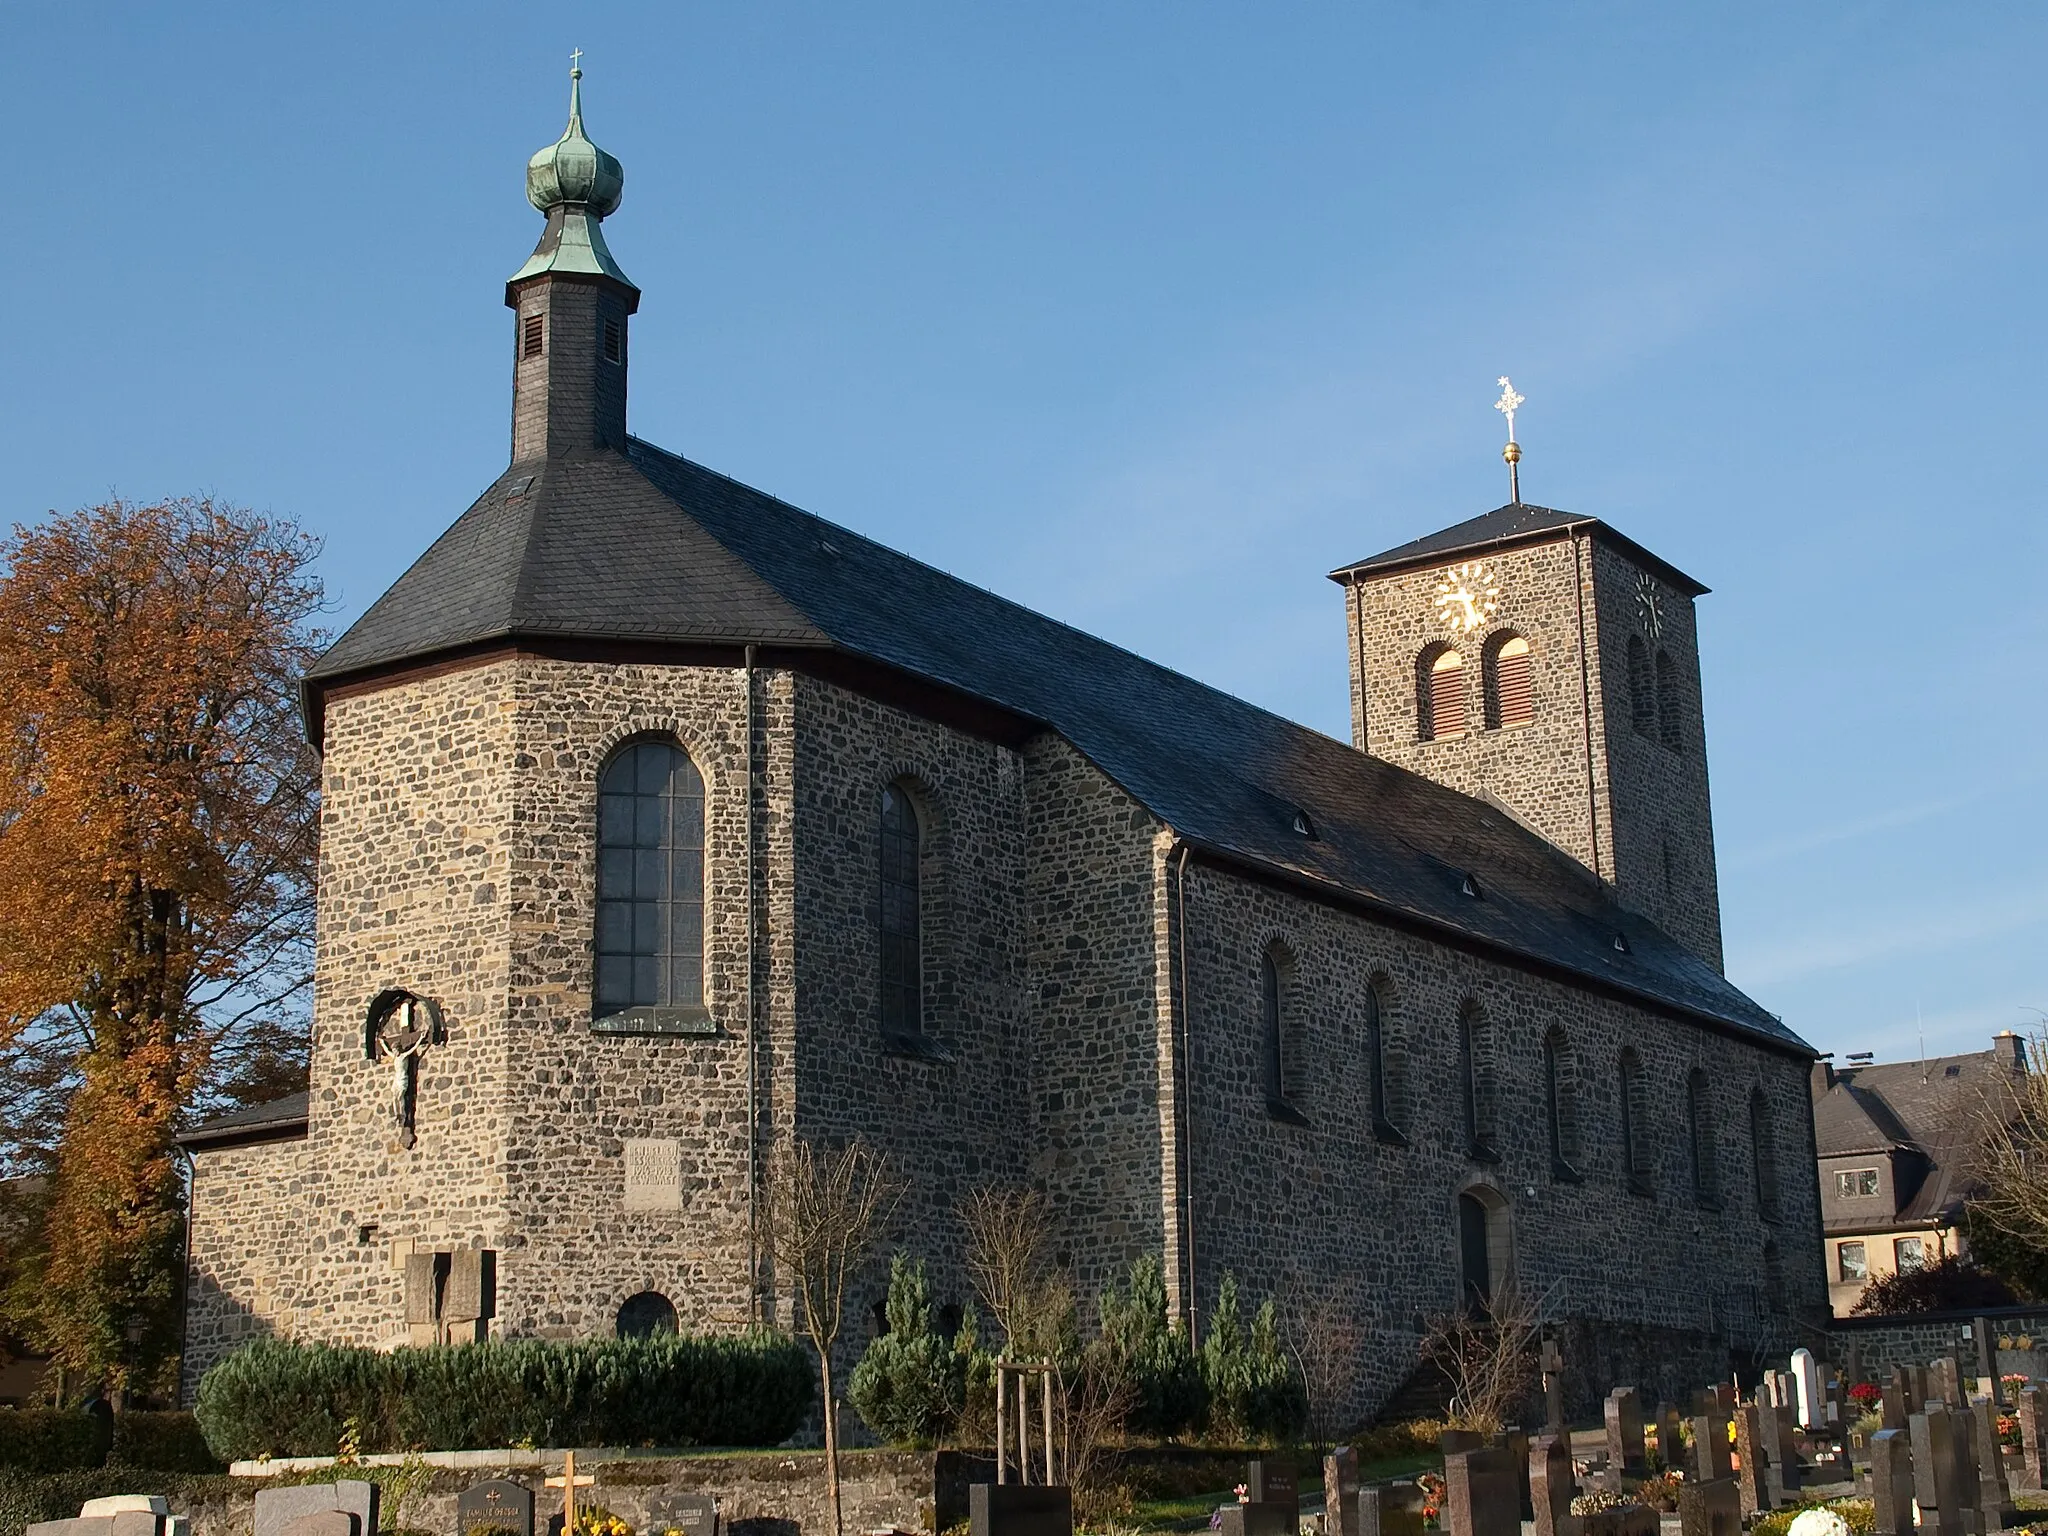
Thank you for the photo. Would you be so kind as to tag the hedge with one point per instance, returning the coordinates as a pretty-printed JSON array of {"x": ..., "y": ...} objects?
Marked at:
[
  {"x": 162, "y": 1442},
  {"x": 29, "y": 1497},
  {"x": 284, "y": 1399},
  {"x": 51, "y": 1439}
]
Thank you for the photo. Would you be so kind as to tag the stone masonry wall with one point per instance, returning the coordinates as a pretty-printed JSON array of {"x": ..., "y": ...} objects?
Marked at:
[{"x": 252, "y": 1220}]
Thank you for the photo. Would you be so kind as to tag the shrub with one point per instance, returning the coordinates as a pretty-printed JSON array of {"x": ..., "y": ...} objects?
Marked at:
[
  {"x": 163, "y": 1442},
  {"x": 51, "y": 1439},
  {"x": 26, "y": 1498},
  {"x": 1860, "y": 1515},
  {"x": 1254, "y": 1391},
  {"x": 283, "y": 1399},
  {"x": 1949, "y": 1284},
  {"x": 1152, "y": 1356},
  {"x": 910, "y": 1384}
]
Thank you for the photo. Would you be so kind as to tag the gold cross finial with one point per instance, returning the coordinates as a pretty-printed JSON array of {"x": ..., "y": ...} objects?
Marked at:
[
  {"x": 1508, "y": 403},
  {"x": 576, "y": 64}
]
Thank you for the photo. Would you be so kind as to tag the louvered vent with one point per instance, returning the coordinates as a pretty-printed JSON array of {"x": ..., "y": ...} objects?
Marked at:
[
  {"x": 1670, "y": 701},
  {"x": 1514, "y": 685},
  {"x": 1446, "y": 696},
  {"x": 1642, "y": 697},
  {"x": 611, "y": 341},
  {"x": 531, "y": 337}
]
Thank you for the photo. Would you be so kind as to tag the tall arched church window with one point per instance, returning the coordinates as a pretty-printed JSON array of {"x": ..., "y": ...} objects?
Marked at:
[
  {"x": 1670, "y": 703},
  {"x": 1440, "y": 687},
  {"x": 1699, "y": 1120},
  {"x": 1510, "y": 682},
  {"x": 650, "y": 887},
  {"x": 1560, "y": 1105},
  {"x": 1642, "y": 689},
  {"x": 1378, "y": 1077},
  {"x": 1763, "y": 1156},
  {"x": 1475, "y": 1084},
  {"x": 902, "y": 959},
  {"x": 1272, "y": 1048},
  {"x": 1631, "y": 1091}
]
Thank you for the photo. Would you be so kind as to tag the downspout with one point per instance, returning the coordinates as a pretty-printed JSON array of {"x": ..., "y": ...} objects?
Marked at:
[
  {"x": 1187, "y": 1071},
  {"x": 1586, "y": 706},
  {"x": 753, "y": 1026},
  {"x": 185, "y": 1263}
]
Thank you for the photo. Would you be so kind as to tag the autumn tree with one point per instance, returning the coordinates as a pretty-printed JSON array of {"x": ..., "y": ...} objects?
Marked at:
[{"x": 157, "y": 837}]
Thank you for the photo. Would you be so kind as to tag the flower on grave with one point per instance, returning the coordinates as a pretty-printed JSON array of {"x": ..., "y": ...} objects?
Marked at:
[
  {"x": 596, "y": 1520},
  {"x": 1432, "y": 1487},
  {"x": 2012, "y": 1381},
  {"x": 2009, "y": 1430},
  {"x": 1866, "y": 1394},
  {"x": 1244, "y": 1494},
  {"x": 1817, "y": 1522},
  {"x": 1598, "y": 1501},
  {"x": 1216, "y": 1520}
]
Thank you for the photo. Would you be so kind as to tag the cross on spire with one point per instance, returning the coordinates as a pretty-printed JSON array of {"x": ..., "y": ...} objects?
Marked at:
[
  {"x": 576, "y": 64},
  {"x": 1508, "y": 403}
]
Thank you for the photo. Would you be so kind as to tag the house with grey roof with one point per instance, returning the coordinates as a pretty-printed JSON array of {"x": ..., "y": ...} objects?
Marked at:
[{"x": 664, "y": 822}]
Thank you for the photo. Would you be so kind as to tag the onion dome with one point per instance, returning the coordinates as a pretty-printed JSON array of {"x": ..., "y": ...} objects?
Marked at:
[{"x": 572, "y": 169}]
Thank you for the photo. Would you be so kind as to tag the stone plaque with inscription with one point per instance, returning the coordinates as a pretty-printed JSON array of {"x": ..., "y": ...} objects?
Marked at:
[{"x": 654, "y": 1175}]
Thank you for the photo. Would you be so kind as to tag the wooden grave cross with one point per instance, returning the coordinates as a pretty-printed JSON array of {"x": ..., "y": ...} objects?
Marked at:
[{"x": 568, "y": 1482}]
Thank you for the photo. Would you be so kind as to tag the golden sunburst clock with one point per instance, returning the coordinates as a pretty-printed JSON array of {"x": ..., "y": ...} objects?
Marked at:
[
  {"x": 1467, "y": 597},
  {"x": 1650, "y": 607}
]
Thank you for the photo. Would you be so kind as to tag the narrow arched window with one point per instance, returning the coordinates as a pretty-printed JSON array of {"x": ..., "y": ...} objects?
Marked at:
[
  {"x": 650, "y": 884},
  {"x": 1440, "y": 688},
  {"x": 1642, "y": 689},
  {"x": 1699, "y": 1120},
  {"x": 1631, "y": 1094},
  {"x": 1378, "y": 1085},
  {"x": 1272, "y": 1047},
  {"x": 902, "y": 959},
  {"x": 1560, "y": 1105},
  {"x": 1475, "y": 1084},
  {"x": 1763, "y": 1156},
  {"x": 1510, "y": 683},
  {"x": 1670, "y": 703}
]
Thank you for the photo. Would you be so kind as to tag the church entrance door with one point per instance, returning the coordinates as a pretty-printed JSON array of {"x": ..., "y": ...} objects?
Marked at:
[{"x": 1477, "y": 1261}]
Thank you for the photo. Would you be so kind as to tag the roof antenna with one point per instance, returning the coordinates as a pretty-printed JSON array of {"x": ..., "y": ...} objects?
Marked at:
[
  {"x": 1507, "y": 404},
  {"x": 1921, "y": 1025}
]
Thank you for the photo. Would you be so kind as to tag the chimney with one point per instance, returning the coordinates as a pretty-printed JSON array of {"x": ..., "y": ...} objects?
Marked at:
[
  {"x": 1823, "y": 1077},
  {"x": 2009, "y": 1050}
]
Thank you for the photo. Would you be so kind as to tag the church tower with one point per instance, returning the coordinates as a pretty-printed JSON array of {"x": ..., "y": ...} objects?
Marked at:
[
  {"x": 1545, "y": 662},
  {"x": 572, "y": 304}
]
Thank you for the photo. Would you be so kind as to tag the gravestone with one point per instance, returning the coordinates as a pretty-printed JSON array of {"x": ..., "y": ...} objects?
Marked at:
[
  {"x": 469, "y": 1298},
  {"x": 1806, "y": 1383},
  {"x": 1987, "y": 1357},
  {"x": 1891, "y": 1483},
  {"x": 1452, "y": 1441},
  {"x": 1624, "y": 1436},
  {"x": 1670, "y": 1439},
  {"x": 1784, "y": 1450},
  {"x": 497, "y": 1505},
  {"x": 1390, "y": 1510},
  {"x": 692, "y": 1514},
  {"x": 1712, "y": 1508},
  {"x": 1754, "y": 1479},
  {"x": 1895, "y": 1401},
  {"x": 1625, "y": 1520},
  {"x": 1245, "y": 1520},
  {"x": 1994, "y": 1499},
  {"x": 1481, "y": 1496},
  {"x": 1711, "y": 1453},
  {"x": 322, "y": 1522},
  {"x": 1516, "y": 1443},
  {"x": 2033, "y": 1423},
  {"x": 1550, "y": 1484},
  {"x": 277, "y": 1508},
  {"x": 1941, "y": 1473},
  {"x": 125, "y": 1504},
  {"x": 1272, "y": 1482},
  {"x": 1033, "y": 1509},
  {"x": 1551, "y": 1360},
  {"x": 1945, "y": 1382},
  {"x": 1340, "y": 1492}
]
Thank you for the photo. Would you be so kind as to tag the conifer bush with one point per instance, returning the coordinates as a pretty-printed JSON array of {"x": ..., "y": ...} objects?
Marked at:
[
  {"x": 1255, "y": 1393},
  {"x": 284, "y": 1399},
  {"x": 1169, "y": 1396},
  {"x": 911, "y": 1383}
]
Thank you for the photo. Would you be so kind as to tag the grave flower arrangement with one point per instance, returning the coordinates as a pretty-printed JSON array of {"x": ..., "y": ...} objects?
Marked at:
[
  {"x": 1432, "y": 1487},
  {"x": 2012, "y": 1381},
  {"x": 596, "y": 1520},
  {"x": 1866, "y": 1395},
  {"x": 1598, "y": 1501},
  {"x": 2009, "y": 1430}
]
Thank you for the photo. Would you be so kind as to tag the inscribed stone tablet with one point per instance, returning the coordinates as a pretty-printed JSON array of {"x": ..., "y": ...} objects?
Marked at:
[
  {"x": 694, "y": 1514},
  {"x": 134, "y": 1522},
  {"x": 654, "y": 1175},
  {"x": 498, "y": 1506},
  {"x": 325, "y": 1522}
]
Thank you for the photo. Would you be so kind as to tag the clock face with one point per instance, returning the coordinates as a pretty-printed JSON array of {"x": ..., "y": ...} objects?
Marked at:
[
  {"x": 1467, "y": 596},
  {"x": 1649, "y": 607}
]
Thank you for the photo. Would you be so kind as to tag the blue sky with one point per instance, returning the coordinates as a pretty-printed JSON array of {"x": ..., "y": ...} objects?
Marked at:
[{"x": 1148, "y": 314}]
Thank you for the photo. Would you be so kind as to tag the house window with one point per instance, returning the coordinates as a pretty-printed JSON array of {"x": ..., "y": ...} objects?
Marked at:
[
  {"x": 1560, "y": 1107},
  {"x": 1670, "y": 702},
  {"x": 611, "y": 341},
  {"x": 1909, "y": 1253},
  {"x": 1763, "y": 1156},
  {"x": 1851, "y": 1262},
  {"x": 1631, "y": 1096},
  {"x": 1706, "y": 1182},
  {"x": 650, "y": 882},
  {"x": 1642, "y": 695},
  {"x": 532, "y": 335},
  {"x": 1441, "y": 706},
  {"x": 1856, "y": 1183},
  {"x": 902, "y": 964},
  {"x": 1510, "y": 684}
]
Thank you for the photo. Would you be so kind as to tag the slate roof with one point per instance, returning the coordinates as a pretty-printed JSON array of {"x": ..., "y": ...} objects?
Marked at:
[
  {"x": 1927, "y": 1111},
  {"x": 648, "y": 546},
  {"x": 275, "y": 1121},
  {"x": 1518, "y": 522}
]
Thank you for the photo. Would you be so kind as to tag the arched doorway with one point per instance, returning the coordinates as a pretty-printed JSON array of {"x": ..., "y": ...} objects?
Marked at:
[
  {"x": 1475, "y": 1261},
  {"x": 643, "y": 1315}
]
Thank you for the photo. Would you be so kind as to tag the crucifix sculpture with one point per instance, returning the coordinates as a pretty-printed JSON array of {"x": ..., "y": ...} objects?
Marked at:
[
  {"x": 569, "y": 1482},
  {"x": 401, "y": 1027}
]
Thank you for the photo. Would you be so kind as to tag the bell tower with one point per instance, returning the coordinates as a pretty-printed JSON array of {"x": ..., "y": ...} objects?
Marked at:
[
  {"x": 571, "y": 303},
  {"x": 1544, "y": 661}
]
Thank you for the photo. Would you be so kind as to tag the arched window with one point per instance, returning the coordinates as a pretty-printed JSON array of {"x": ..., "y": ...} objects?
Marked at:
[
  {"x": 1670, "y": 703},
  {"x": 1272, "y": 1048},
  {"x": 646, "y": 1314},
  {"x": 650, "y": 885},
  {"x": 1763, "y": 1156},
  {"x": 1475, "y": 1082},
  {"x": 1699, "y": 1123},
  {"x": 1632, "y": 1095},
  {"x": 1560, "y": 1105},
  {"x": 902, "y": 959},
  {"x": 1440, "y": 694},
  {"x": 1510, "y": 683},
  {"x": 1642, "y": 689},
  {"x": 1379, "y": 1079}
]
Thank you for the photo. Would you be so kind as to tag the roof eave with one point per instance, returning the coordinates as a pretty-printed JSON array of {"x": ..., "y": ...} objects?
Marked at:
[{"x": 1390, "y": 565}]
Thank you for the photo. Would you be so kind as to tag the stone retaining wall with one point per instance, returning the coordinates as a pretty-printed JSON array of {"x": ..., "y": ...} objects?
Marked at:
[{"x": 1879, "y": 1343}]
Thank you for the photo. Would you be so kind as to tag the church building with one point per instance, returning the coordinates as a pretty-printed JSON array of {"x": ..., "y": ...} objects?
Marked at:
[{"x": 662, "y": 822}]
